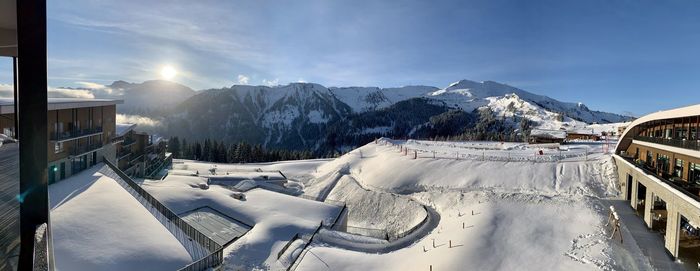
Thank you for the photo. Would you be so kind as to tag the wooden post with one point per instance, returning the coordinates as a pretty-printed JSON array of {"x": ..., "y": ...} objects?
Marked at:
[{"x": 450, "y": 244}]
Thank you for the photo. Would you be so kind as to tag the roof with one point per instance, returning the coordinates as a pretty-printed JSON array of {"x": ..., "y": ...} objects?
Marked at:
[
  {"x": 688, "y": 111},
  {"x": 8, "y": 28},
  {"x": 7, "y": 104},
  {"x": 123, "y": 128},
  {"x": 584, "y": 132},
  {"x": 556, "y": 134}
]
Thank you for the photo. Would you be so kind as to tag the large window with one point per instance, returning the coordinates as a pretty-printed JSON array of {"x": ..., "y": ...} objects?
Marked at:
[
  {"x": 681, "y": 133},
  {"x": 678, "y": 169},
  {"x": 694, "y": 173},
  {"x": 662, "y": 163}
]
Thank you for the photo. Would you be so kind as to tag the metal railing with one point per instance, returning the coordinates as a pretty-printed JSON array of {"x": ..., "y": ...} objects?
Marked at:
[
  {"x": 82, "y": 149},
  {"x": 286, "y": 246},
  {"x": 685, "y": 144},
  {"x": 301, "y": 255},
  {"x": 128, "y": 141},
  {"x": 215, "y": 258},
  {"x": 75, "y": 134}
]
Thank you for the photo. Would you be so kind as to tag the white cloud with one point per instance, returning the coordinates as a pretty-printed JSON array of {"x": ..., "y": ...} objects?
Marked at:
[
  {"x": 301, "y": 80},
  {"x": 242, "y": 79},
  {"x": 6, "y": 87},
  {"x": 138, "y": 120},
  {"x": 70, "y": 93},
  {"x": 271, "y": 83},
  {"x": 91, "y": 85}
]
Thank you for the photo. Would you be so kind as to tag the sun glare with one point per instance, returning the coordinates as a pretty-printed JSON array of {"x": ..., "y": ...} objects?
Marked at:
[{"x": 168, "y": 72}]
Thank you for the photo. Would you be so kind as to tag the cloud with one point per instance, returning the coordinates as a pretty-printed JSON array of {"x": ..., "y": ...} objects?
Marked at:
[
  {"x": 242, "y": 79},
  {"x": 91, "y": 85},
  {"x": 301, "y": 80},
  {"x": 144, "y": 122},
  {"x": 6, "y": 87},
  {"x": 271, "y": 83},
  {"x": 70, "y": 93}
]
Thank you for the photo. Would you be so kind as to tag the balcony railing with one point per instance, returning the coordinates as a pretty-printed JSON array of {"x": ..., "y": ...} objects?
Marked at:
[
  {"x": 128, "y": 141},
  {"x": 681, "y": 143},
  {"x": 79, "y": 150},
  {"x": 689, "y": 189},
  {"x": 73, "y": 134},
  {"x": 123, "y": 154}
]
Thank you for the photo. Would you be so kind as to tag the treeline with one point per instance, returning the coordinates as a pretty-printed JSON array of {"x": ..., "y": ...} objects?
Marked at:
[{"x": 220, "y": 152}]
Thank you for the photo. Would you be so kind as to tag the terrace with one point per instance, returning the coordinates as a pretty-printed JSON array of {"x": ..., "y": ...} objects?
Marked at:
[{"x": 75, "y": 134}]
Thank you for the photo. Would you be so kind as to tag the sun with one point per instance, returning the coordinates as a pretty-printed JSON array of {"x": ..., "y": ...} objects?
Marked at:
[{"x": 168, "y": 72}]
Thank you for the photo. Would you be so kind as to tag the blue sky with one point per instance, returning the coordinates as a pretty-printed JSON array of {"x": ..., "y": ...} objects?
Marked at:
[{"x": 617, "y": 56}]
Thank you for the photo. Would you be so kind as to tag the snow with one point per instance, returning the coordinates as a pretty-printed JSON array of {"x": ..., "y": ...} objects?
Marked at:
[
  {"x": 558, "y": 134},
  {"x": 97, "y": 225},
  {"x": 455, "y": 206},
  {"x": 498, "y": 215},
  {"x": 123, "y": 128},
  {"x": 275, "y": 217}
]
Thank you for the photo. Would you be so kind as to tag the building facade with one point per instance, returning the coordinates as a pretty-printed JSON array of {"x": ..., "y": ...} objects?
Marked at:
[
  {"x": 79, "y": 132},
  {"x": 658, "y": 160}
]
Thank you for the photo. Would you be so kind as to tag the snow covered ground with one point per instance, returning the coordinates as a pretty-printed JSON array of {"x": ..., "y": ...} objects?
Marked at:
[
  {"x": 494, "y": 214},
  {"x": 276, "y": 218},
  {"x": 455, "y": 206},
  {"x": 97, "y": 225}
]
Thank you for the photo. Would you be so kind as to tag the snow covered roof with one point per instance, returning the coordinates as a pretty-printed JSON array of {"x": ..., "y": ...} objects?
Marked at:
[
  {"x": 583, "y": 132},
  {"x": 7, "y": 105},
  {"x": 123, "y": 128},
  {"x": 626, "y": 137},
  {"x": 558, "y": 134}
]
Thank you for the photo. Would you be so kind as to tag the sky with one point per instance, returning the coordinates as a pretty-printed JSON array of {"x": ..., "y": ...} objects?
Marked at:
[{"x": 618, "y": 56}]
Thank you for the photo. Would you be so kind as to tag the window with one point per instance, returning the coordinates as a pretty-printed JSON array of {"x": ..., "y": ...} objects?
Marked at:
[
  {"x": 662, "y": 163},
  {"x": 694, "y": 173},
  {"x": 681, "y": 133},
  {"x": 649, "y": 158},
  {"x": 678, "y": 169},
  {"x": 58, "y": 147},
  {"x": 694, "y": 133}
]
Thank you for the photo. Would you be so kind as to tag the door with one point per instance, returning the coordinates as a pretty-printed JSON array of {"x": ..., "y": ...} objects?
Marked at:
[
  {"x": 52, "y": 174},
  {"x": 63, "y": 170},
  {"x": 629, "y": 188},
  {"x": 94, "y": 158}
]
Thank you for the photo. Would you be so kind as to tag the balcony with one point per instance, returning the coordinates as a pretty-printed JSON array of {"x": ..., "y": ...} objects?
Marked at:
[
  {"x": 691, "y": 190},
  {"x": 680, "y": 143},
  {"x": 75, "y": 134},
  {"x": 128, "y": 142},
  {"x": 123, "y": 154},
  {"x": 80, "y": 150}
]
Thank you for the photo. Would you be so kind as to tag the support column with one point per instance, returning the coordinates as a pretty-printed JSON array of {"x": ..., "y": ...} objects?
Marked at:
[
  {"x": 633, "y": 198},
  {"x": 648, "y": 203},
  {"x": 32, "y": 107},
  {"x": 672, "y": 229}
]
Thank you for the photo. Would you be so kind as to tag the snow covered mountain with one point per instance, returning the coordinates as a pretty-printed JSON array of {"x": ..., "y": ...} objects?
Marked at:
[
  {"x": 468, "y": 96},
  {"x": 311, "y": 116}
]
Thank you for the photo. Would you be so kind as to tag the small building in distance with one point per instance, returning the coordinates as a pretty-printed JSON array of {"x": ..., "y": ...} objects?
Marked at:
[
  {"x": 539, "y": 136},
  {"x": 139, "y": 154},
  {"x": 583, "y": 134}
]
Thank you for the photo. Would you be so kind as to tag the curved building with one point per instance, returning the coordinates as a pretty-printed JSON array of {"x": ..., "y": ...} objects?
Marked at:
[{"x": 658, "y": 160}]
